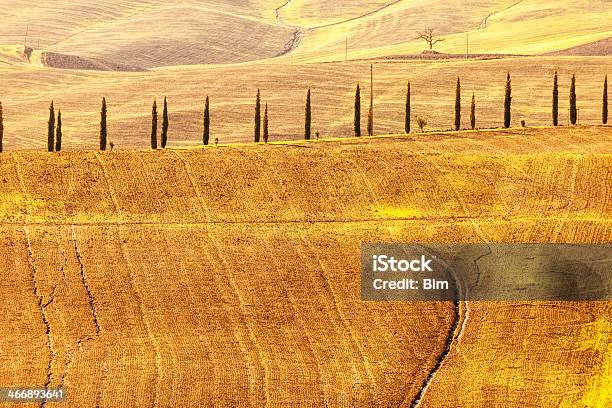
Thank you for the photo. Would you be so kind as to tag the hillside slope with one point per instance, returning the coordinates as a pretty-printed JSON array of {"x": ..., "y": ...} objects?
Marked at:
[
  {"x": 149, "y": 33},
  {"x": 232, "y": 89},
  {"x": 230, "y": 276}
]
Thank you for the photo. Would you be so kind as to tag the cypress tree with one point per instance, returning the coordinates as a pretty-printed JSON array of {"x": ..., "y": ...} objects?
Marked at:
[
  {"x": 154, "y": 126},
  {"x": 407, "y": 114},
  {"x": 307, "y": 117},
  {"x": 604, "y": 106},
  {"x": 265, "y": 124},
  {"x": 573, "y": 108},
  {"x": 473, "y": 112},
  {"x": 51, "y": 128},
  {"x": 206, "y": 135},
  {"x": 507, "y": 102},
  {"x": 357, "y": 121},
  {"x": 257, "y": 117},
  {"x": 164, "y": 132},
  {"x": 458, "y": 105},
  {"x": 58, "y": 132},
  {"x": 555, "y": 101},
  {"x": 1, "y": 128},
  {"x": 103, "y": 133}
]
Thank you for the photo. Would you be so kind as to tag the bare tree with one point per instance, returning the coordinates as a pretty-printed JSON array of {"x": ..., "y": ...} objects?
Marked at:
[{"x": 428, "y": 36}]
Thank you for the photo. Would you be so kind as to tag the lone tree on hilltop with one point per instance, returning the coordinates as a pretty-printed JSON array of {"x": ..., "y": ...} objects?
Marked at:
[
  {"x": 206, "y": 135},
  {"x": 154, "y": 126},
  {"x": 507, "y": 102},
  {"x": 1, "y": 128},
  {"x": 103, "y": 133},
  {"x": 257, "y": 117},
  {"x": 428, "y": 36},
  {"x": 473, "y": 113},
  {"x": 421, "y": 122},
  {"x": 555, "y": 101},
  {"x": 51, "y": 128},
  {"x": 408, "y": 108},
  {"x": 604, "y": 108},
  {"x": 265, "y": 124},
  {"x": 58, "y": 132},
  {"x": 357, "y": 120},
  {"x": 458, "y": 105},
  {"x": 164, "y": 132},
  {"x": 307, "y": 117},
  {"x": 573, "y": 109}
]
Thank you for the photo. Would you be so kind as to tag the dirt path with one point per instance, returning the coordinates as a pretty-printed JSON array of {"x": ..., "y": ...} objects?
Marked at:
[{"x": 297, "y": 35}]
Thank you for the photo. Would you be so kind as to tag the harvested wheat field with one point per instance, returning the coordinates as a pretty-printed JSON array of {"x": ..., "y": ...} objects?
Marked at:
[
  {"x": 232, "y": 90},
  {"x": 229, "y": 276}
]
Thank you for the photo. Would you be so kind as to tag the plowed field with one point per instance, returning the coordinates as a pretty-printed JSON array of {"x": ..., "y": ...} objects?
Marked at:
[{"x": 229, "y": 276}]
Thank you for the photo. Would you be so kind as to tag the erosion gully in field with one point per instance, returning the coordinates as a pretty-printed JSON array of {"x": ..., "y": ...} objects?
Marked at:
[{"x": 141, "y": 274}]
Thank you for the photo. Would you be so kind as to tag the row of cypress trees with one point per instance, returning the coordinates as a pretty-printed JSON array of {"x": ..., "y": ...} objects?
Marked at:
[
  {"x": 54, "y": 132},
  {"x": 573, "y": 110}
]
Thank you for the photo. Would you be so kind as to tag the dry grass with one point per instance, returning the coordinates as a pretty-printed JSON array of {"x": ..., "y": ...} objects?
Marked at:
[
  {"x": 232, "y": 89},
  {"x": 150, "y": 33},
  {"x": 229, "y": 275}
]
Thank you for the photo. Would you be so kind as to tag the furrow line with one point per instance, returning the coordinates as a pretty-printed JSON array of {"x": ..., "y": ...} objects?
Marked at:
[
  {"x": 90, "y": 298},
  {"x": 43, "y": 311}
]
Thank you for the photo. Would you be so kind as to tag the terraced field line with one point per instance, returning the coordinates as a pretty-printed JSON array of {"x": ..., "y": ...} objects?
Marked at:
[
  {"x": 439, "y": 220},
  {"x": 111, "y": 190},
  {"x": 194, "y": 185},
  {"x": 251, "y": 335},
  {"x": 204, "y": 208},
  {"x": 461, "y": 317},
  {"x": 364, "y": 15},
  {"x": 564, "y": 217},
  {"x": 265, "y": 370},
  {"x": 28, "y": 205},
  {"x": 377, "y": 200},
  {"x": 42, "y": 306},
  {"x": 300, "y": 320},
  {"x": 138, "y": 296},
  {"x": 133, "y": 13},
  {"x": 341, "y": 317},
  {"x": 90, "y": 298},
  {"x": 97, "y": 329},
  {"x": 193, "y": 307}
]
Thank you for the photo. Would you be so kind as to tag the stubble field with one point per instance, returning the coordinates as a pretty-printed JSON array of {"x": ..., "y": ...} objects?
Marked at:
[
  {"x": 230, "y": 275},
  {"x": 232, "y": 89}
]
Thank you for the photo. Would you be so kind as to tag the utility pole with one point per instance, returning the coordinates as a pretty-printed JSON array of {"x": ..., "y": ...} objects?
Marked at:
[
  {"x": 467, "y": 45},
  {"x": 346, "y": 49},
  {"x": 25, "y": 39}
]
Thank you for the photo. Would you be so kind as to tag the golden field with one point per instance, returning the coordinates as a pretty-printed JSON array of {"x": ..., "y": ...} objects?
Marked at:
[
  {"x": 228, "y": 50},
  {"x": 229, "y": 276},
  {"x": 153, "y": 33},
  {"x": 232, "y": 88}
]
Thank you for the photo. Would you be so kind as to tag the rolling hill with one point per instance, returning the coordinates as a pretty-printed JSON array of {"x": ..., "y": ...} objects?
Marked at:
[
  {"x": 194, "y": 277},
  {"x": 232, "y": 89},
  {"x": 150, "y": 33}
]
